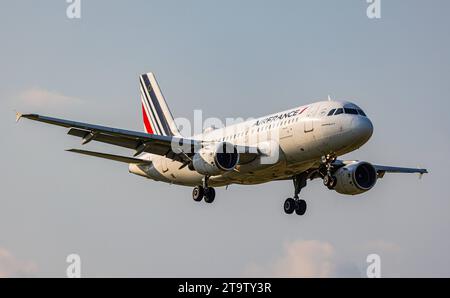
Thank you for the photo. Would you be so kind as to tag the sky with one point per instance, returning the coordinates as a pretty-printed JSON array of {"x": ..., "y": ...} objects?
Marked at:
[{"x": 229, "y": 59}]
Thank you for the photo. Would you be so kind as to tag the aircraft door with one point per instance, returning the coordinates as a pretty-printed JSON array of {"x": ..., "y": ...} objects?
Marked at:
[{"x": 309, "y": 119}]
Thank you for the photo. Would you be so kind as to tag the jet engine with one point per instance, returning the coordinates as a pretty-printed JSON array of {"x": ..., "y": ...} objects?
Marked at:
[
  {"x": 355, "y": 178},
  {"x": 215, "y": 159}
]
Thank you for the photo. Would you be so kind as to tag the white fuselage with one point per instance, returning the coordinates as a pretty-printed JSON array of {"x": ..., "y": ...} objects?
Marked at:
[{"x": 301, "y": 136}]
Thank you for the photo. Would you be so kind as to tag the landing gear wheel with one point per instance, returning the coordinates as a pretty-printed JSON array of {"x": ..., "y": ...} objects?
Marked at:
[
  {"x": 300, "y": 207},
  {"x": 210, "y": 195},
  {"x": 289, "y": 206},
  {"x": 198, "y": 193},
  {"x": 295, "y": 204}
]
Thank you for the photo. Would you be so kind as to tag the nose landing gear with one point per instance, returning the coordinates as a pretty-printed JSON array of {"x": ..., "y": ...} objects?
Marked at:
[{"x": 328, "y": 179}]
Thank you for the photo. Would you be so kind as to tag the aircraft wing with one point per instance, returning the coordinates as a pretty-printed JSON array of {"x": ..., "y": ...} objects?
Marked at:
[
  {"x": 139, "y": 141},
  {"x": 381, "y": 170}
]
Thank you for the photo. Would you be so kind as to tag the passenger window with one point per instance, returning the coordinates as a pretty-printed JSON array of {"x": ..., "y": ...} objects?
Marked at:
[
  {"x": 339, "y": 111},
  {"x": 350, "y": 111},
  {"x": 331, "y": 112}
]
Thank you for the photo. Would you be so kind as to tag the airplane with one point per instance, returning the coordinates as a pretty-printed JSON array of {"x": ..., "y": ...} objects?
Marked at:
[{"x": 299, "y": 144}]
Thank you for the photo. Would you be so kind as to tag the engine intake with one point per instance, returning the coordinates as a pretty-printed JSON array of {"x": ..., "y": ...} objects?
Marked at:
[
  {"x": 355, "y": 178},
  {"x": 214, "y": 160}
]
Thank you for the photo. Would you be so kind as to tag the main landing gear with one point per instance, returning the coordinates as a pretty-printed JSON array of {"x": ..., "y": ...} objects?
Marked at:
[
  {"x": 328, "y": 179},
  {"x": 206, "y": 192},
  {"x": 296, "y": 204}
]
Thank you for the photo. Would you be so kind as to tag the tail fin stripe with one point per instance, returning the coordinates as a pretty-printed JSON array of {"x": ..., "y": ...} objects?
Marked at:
[
  {"x": 167, "y": 113},
  {"x": 148, "y": 127},
  {"x": 150, "y": 117},
  {"x": 157, "y": 115},
  {"x": 150, "y": 110},
  {"x": 158, "y": 110}
]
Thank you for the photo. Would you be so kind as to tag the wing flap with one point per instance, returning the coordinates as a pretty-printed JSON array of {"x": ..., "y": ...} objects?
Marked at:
[{"x": 104, "y": 138}]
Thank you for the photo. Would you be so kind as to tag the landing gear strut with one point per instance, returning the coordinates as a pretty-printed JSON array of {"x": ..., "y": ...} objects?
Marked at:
[
  {"x": 328, "y": 179},
  {"x": 296, "y": 204},
  {"x": 204, "y": 191}
]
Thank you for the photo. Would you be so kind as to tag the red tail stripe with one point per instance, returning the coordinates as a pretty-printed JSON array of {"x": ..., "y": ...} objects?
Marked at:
[{"x": 148, "y": 127}]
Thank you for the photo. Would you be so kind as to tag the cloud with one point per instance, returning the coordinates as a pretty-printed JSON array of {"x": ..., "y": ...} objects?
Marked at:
[
  {"x": 300, "y": 259},
  {"x": 43, "y": 97},
  {"x": 10, "y": 266}
]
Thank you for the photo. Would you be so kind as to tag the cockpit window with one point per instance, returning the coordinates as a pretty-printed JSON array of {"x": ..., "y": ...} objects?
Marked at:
[
  {"x": 339, "y": 111},
  {"x": 331, "y": 112},
  {"x": 361, "y": 112},
  {"x": 351, "y": 111}
]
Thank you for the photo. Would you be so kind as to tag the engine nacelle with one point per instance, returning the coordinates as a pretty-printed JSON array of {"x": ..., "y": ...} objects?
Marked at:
[
  {"x": 355, "y": 178},
  {"x": 215, "y": 160}
]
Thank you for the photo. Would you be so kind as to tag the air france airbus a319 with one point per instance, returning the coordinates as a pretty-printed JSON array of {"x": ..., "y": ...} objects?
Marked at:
[{"x": 300, "y": 144}]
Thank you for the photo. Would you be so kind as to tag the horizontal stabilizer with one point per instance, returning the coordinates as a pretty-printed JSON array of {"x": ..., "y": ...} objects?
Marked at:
[{"x": 111, "y": 157}]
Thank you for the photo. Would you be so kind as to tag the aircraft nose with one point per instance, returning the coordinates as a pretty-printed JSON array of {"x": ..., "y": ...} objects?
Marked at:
[{"x": 362, "y": 129}]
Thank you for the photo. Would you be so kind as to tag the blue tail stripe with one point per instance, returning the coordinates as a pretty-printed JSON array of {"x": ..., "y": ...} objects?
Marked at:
[
  {"x": 157, "y": 127},
  {"x": 159, "y": 112}
]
